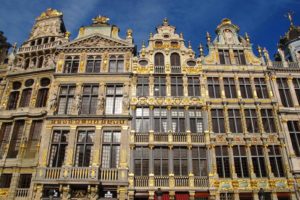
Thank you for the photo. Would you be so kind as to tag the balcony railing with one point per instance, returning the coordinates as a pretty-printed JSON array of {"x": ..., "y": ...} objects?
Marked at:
[
  {"x": 176, "y": 69},
  {"x": 160, "y": 137},
  {"x": 52, "y": 173},
  {"x": 181, "y": 181},
  {"x": 22, "y": 193},
  {"x": 278, "y": 64},
  {"x": 200, "y": 181},
  {"x": 293, "y": 65},
  {"x": 179, "y": 137},
  {"x": 289, "y": 64},
  {"x": 197, "y": 138},
  {"x": 109, "y": 174},
  {"x": 161, "y": 181},
  {"x": 39, "y": 47},
  {"x": 141, "y": 181},
  {"x": 159, "y": 69},
  {"x": 142, "y": 137}
]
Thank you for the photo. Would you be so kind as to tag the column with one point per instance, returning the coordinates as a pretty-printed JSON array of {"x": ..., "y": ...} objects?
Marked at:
[
  {"x": 203, "y": 88},
  {"x": 185, "y": 86},
  {"x": 151, "y": 182},
  {"x": 212, "y": 156},
  {"x": 131, "y": 168},
  {"x": 231, "y": 161},
  {"x": 71, "y": 146},
  {"x": 237, "y": 85},
  {"x": 269, "y": 86},
  {"x": 101, "y": 99},
  {"x": 190, "y": 167},
  {"x": 24, "y": 139},
  {"x": 124, "y": 154},
  {"x": 285, "y": 159},
  {"x": 44, "y": 145},
  {"x": 292, "y": 91},
  {"x": 82, "y": 63},
  {"x": 226, "y": 120},
  {"x": 13, "y": 184},
  {"x": 253, "y": 86},
  {"x": 35, "y": 89},
  {"x": 97, "y": 147},
  {"x": 244, "y": 124},
  {"x": 168, "y": 86},
  {"x": 260, "y": 122},
  {"x": 275, "y": 89},
  {"x": 274, "y": 196},
  {"x": 222, "y": 86},
  {"x": 151, "y": 85},
  {"x": 267, "y": 161},
  {"x": 133, "y": 86},
  {"x": 255, "y": 195},
  {"x": 250, "y": 163},
  {"x": 78, "y": 98},
  {"x": 288, "y": 140}
]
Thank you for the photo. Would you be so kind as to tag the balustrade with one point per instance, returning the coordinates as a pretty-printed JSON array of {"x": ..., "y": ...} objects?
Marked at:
[
  {"x": 39, "y": 47},
  {"x": 22, "y": 193},
  {"x": 161, "y": 181},
  {"x": 200, "y": 181},
  {"x": 159, "y": 69},
  {"x": 181, "y": 181},
  {"x": 141, "y": 181}
]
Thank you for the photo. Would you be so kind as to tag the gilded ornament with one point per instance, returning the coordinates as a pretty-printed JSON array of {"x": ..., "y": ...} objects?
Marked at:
[
  {"x": 100, "y": 20},
  {"x": 49, "y": 13}
]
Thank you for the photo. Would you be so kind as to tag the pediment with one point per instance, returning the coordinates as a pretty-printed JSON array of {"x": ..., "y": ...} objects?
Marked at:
[{"x": 96, "y": 41}]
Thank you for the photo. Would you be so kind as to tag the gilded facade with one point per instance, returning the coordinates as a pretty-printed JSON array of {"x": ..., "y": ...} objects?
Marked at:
[{"x": 90, "y": 118}]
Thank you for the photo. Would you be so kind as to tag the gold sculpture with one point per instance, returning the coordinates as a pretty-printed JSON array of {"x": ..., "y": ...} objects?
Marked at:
[{"x": 100, "y": 20}]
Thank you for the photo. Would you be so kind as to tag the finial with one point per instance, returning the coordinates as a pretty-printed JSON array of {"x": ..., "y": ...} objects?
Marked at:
[
  {"x": 151, "y": 35},
  {"x": 14, "y": 46},
  {"x": 201, "y": 50},
  {"x": 100, "y": 20},
  {"x": 290, "y": 17},
  {"x": 190, "y": 46},
  {"x": 129, "y": 33},
  {"x": 208, "y": 37},
  {"x": 165, "y": 22},
  {"x": 67, "y": 35},
  {"x": 259, "y": 51},
  {"x": 181, "y": 35},
  {"x": 247, "y": 37},
  {"x": 143, "y": 44}
]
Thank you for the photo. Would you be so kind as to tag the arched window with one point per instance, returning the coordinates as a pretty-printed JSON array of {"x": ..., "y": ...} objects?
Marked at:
[
  {"x": 33, "y": 63},
  {"x": 26, "y": 64},
  {"x": 26, "y": 93},
  {"x": 40, "y": 62},
  {"x": 46, "y": 40},
  {"x": 42, "y": 96},
  {"x": 159, "y": 59},
  {"x": 14, "y": 96},
  {"x": 175, "y": 63},
  {"x": 116, "y": 63},
  {"x": 71, "y": 64},
  {"x": 39, "y": 41}
]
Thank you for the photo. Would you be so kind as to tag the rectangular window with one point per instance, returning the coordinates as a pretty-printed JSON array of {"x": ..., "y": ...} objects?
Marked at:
[
  {"x": 235, "y": 121},
  {"x": 141, "y": 161},
  {"x": 142, "y": 86},
  {"x": 194, "y": 86},
  {"x": 25, "y": 97},
  {"x": 217, "y": 117},
  {"x": 178, "y": 120},
  {"x": 5, "y": 180},
  {"x": 176, "y": 86},
  {"x": 160, "y": 158},
  {"x": 66, "y": 99},
  {"x": 159, "y": 86},
  {"x": 71, "y": 64},
  {"x": 245, "y": 87},
  {"x": 160, "y": 120},
  {"x": 13, "y": 100},
  {"x": 42, "y": 97},
  {"x": 276, "y": 160},
  {"x": 296, "y": 82},
  {"x": 240, "y": 161},
  {"x": 15, "y": 141},
  {"x": 199, "y": 160},
  {"x": 294, "y": 130},
  {"x": 222, "y": 158},
  {"x": 111, "y": 149},
  {"x": 258, "y": 161},
  {"x": 268, "y": 120},
  {"x": 224, "y": 57},
  {"x": 142, "y": 120},
  {"x": 229, "y": 87},
  {"x": 227, "y": 196},
  {"x": 116, "y": 63},
  {"x": 284, "y": 92},
  {"x": 34, "y": 138},
  {"x": 196, "y": 121},
  {"x": 239, "y": 57},
  {"x": 261, "y": 88},
  {"x": 59, "y": 146},
  {"x": 89, "y": 99},
  {"x": 114, "y": 99},
  {"x": 246, "y": 196},
  {"x": 180, "y": 161},
  {"x": 24, "y": 181},
  {"x": 213, "y": 85},
  {"x": 93, "y": 64},
  {"x": 4, "y": 137},
  {"x": 85, "y": 141},
  {"x": 251, "y": 121}
]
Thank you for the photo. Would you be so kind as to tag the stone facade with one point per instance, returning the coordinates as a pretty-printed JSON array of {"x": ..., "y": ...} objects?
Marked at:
[{"x": 90, "y": 118}]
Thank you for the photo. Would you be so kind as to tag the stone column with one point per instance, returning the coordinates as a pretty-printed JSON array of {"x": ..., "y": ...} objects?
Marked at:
[
  {"x": 226, "y": 119},
  {"x": 124, "y": 154},
  {"x": 101, "y": 99},
  {"x": 285, "y": 159},
  {"x": 78, "y": 99},
  {"x": 82, "y": 64},
  {"x": 71, "y": 146},
  {"x": 274, "y": 196},
  {"x": 253, "y": 86},
  {"x": 244, "y": 124},
  {"x": 14, "y": 184},
  {"x": 35, "y": 90},
  {"x": 231, "y": 161},
  {"x": 24, "y": 140},
  {"x": 275, "y": 89},
  {"x": 185, "y": 86},
  {"x": 122, "y": 193},
  {"x": 168, "y": 86},
  {"x": 45, "y": 143},
  {"x": 267, "y": 161},
  {"x": 212, "y": 158},
  {"x": 250, "y": 163},
  {"x": 255, "y": 196},
  {"x": 237, "y": 85},
  {"x": 222, "y": 86},
  {"x": 97, "y": 147},
  {"x": 269, "y": 86},
  {"x": 288, "y": 140},
  {"x": 171, "y": 167},
  {"x": 203, "y": 87},
  {"x": 292, "y": 91},
  {"x": 260, "y": 122},
  {"x": 151, "y": 85}
]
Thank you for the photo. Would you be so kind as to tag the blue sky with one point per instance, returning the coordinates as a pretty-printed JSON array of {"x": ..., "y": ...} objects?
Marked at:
[{"x": 263, "y": 19}]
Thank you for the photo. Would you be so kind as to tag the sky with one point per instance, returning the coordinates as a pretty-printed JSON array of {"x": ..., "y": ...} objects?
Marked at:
[{"x": 263, "y": 20}]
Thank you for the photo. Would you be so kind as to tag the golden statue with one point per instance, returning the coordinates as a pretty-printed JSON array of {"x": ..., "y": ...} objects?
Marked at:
[{"x": 100, "y": 20}]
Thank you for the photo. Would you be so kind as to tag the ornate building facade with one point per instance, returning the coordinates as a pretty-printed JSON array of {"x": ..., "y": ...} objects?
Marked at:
[{"x": 90, "y": 118}]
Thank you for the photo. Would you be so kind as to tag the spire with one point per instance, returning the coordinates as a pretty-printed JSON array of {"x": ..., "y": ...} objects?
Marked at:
[
  {"x": 289, "y": 15},
  {"x": 190, "y": 46},
  {"x": 208, "y": 37},
  {"x": 247, "y": 38},
  {"x": 201, "y": 50},
  {"x": 165, "y": 22}
]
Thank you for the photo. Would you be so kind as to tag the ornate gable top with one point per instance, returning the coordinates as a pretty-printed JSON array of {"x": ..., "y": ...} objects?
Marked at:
[
  {"x": 292, "y": 34},
  {"x": 226, "y": 23},
  {"x": 49, "y": 13},
  {"x": 100, "y": 20}
]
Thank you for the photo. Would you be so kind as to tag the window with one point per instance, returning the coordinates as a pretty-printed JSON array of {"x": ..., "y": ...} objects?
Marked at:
[
  {"x": 227, "y": 196},
  {"x": 178, "y": 120},
  {"x": 111, "y": 149},
  {"x": 180, "y": 159},
  {"x": 15, "y": 141},
  {"x": 59, "y": 145},
  {"x": 34, "y": 138},
  {"x": 176, "y": 86},
  {"x": 24, "y": 181},
  {"x": 284, "y": 92},
  {"x": 40, "y": 62},
  {"x": 246, "y": 196},
  {"x": 222, "y": 159},
  {"x": 5, "y": 180},
  {"x": 142, "y": 120},
  {"x": 175, "y": 63},
  {"x": 159, "y": 86},
  {"x": 268, "y": 120},
  {"x": 89, "y": 99},
  {"x": 213, "y": 87},
  {"x": 218, "y": 122},
  {"x": 199, "y": 160},
  {"x": 229, "y": 87},
  {"x": 196, "y": 121},
  {"x": 141, "y": 161},
  {"x": 258, "y": 160},
  {"x": 245, "y": 87},
  {"x": 85, "y": 141},
  {"x": 114, "y": 99},
  {"x": 294, "y": 130},
  {"x": 160, "y": 120},
  {"x": 160, "y": 158},
  {"x": 251, "y": 121},
  {"x": 261, "y": 88},
  {"x": 116, "y": 63},
  {"x": 239, "y": 57},
  {"x": 235, "y": 121},
  {"x": 4, "y": 137},
  {"x": 14, "y": 96},
  {"x": 240, "y": 161},
  {"x": 296, "y": 82},
  {"x": 66, "y": 99},
  {"x": 71, "y": 64},
  {"x": 224, "y": 57},
  {"x": 42, "y": 96},
  {"x": 93, "y": 64},
  {"x": 159, "y": 60},
  {"x": 142, "y": 86},
  {"x": 276, "y": 160},
  {"x": 193, "y": 86},
  {"x": 26, "y": 93}
]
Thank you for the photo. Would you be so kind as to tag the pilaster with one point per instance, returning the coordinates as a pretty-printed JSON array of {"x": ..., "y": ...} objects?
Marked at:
[{"x": 292, "y": 91}]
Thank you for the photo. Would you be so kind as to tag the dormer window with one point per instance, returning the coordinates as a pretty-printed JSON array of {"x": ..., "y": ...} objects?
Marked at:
[
  {"x": 166, "y": 36},
  {"x": 71, "y": 64},
  {"x": 175, "y": 63},
  {"x": 191, "y": 63},
  {"x": 116, "y": 63},
  {"x": 143, "y": 62},
  {"x": 239, "y": 57},
  {"x": 224, "y": 57}
]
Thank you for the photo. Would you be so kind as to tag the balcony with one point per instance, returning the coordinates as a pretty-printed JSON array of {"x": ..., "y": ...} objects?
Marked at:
[
  {"x": 181, "y": 181},
  {"x": 22, "y": 193},
  {"x": 161, "y": 137},
  {"x": 200, "y": 181},
  {"x": 175, "y": 69},
  {"x": 161, "y": 181},
  {"x": 159, "y": 69},
  {"x": 294, "y": 65},
  {"x": 278, "y": 64},
  {"x": 180, "y": 137},
  {"x": 141, "y": 181},
  {"x": 39, "y": 47},
  {"x": 142, "y": 137}
]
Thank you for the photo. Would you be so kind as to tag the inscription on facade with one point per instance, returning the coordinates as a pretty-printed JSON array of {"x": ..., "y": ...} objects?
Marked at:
[{"x": 89, "y": 121}]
